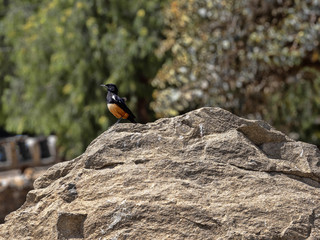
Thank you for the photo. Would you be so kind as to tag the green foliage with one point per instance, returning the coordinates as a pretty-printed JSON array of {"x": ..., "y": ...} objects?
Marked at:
[
  {"x": 63, "y": 50},
  {"x": 256, "y": 58},
  {"x": 299, "y": 111},
  {"x": 239, "y": 55},
  {"x": 4, "y": 55}
]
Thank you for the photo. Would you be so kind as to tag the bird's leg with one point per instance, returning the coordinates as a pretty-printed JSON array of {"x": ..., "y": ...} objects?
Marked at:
[{"x": 118, "y": 121}]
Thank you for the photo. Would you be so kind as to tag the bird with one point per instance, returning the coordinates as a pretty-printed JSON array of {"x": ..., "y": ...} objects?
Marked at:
[{"x": 117, "y": 105}]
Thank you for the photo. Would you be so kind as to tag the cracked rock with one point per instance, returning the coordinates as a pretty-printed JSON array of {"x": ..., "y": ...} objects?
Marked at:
[{"x": 207, "y": 174}]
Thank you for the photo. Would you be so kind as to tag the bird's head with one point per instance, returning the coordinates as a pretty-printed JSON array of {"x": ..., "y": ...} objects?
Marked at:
[{"x": 111, "y": 88}]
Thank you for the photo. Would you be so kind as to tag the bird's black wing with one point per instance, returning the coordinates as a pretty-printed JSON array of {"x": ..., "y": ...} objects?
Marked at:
[{"x": 121, "y": 103}]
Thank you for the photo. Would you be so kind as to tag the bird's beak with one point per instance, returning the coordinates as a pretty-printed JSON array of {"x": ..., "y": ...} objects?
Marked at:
[{"x": 103, "y": 85}]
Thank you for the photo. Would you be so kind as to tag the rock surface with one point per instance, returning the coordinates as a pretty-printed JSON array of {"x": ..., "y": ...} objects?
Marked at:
[{"x": 207, "y": 174}]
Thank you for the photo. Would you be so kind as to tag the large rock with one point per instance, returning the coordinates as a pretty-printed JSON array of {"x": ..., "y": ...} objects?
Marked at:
[{"x": 207, "y": 174}]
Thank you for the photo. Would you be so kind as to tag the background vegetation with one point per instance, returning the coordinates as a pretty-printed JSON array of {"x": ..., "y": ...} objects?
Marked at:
[
  {"x": 60, "y": 53},
  {"x": 258, "y": 59}
]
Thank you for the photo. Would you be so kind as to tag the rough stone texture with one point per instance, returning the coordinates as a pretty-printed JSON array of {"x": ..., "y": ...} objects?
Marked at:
[{"x": 207, "y": 174}]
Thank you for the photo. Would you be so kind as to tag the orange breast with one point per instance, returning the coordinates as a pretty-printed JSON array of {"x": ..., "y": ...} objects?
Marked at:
[{"x": 117, "y": 111}]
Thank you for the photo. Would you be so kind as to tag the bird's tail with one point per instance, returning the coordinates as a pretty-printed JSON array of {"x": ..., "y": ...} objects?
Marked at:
[{"x": 131, "y": 119}]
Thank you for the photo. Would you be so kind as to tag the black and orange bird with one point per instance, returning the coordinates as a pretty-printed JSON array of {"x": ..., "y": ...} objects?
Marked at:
[{"x": 117, "y": 105}]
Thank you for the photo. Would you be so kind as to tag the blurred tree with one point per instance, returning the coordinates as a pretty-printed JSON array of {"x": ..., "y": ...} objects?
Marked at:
[
  {"x": 296, "y": 107},
  {"x": 259, "y": 59},
  {"x": 63, "y": 50},
  {"x": 4, "y": 55}
]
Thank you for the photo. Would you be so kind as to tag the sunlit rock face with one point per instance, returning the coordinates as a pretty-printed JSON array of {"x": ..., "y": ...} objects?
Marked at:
[{"x": 207, "y": 174}]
